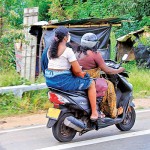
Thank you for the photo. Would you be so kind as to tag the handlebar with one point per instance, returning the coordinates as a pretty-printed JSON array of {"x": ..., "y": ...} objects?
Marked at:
[
  {"x": 115, "y": 65},
  {"x": 112, "y": 64}
]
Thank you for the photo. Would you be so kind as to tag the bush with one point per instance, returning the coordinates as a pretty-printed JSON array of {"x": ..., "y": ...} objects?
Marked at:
[
  {"x": 12, "y": 78},
  {"x": 7, "y": 52},
  {"x": 32, "y": 102}
]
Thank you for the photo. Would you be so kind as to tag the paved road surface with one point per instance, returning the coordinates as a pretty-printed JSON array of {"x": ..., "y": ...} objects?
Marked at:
[{"x": 110, "y": 138}]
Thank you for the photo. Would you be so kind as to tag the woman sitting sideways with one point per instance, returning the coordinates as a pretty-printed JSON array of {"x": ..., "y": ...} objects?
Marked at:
[
  {"x": 59, "y": 75},
  {"x": 92, "y": 62}
]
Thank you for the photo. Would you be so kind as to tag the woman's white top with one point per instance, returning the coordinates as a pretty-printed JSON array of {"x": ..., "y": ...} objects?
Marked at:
[{"x": 63, "y": 61}]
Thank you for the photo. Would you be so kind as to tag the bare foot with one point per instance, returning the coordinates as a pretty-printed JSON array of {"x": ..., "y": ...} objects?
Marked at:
[{"x": 94, "y": 116}]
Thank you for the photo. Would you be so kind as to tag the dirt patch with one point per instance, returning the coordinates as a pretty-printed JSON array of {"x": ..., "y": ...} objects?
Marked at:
[
  {"x": 23, "y": 121},
  {"x": 40, "y": 119},
  {"x": 142, "y": 103}
]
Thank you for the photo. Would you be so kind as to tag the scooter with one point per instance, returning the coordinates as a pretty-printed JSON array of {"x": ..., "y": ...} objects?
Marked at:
[{"x": 71, "y": 110}]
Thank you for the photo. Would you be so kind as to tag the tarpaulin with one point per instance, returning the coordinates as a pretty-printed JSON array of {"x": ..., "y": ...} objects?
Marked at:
[{"x": 142, "y": 55}]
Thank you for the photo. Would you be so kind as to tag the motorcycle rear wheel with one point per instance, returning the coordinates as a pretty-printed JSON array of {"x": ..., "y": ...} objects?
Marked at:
[
  {"x": 128, "y": 121},
  {"x": 61, "y": 132}
]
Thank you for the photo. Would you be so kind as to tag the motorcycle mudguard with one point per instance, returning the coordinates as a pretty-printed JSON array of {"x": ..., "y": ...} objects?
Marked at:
[
  {"x": 51, "y": 122},
  {"x": 132, "y": 104},
  {"x": 131, "y": 101}
]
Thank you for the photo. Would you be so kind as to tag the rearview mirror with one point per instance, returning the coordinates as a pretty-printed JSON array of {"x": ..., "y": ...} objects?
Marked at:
[{"x": 125, "y": 56}]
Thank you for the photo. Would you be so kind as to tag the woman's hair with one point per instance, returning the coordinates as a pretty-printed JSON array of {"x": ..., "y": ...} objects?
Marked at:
[{"x": 60, "y": 33}]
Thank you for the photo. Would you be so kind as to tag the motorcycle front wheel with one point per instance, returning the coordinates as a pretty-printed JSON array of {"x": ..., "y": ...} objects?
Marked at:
[
  {"x": 128, "y": 121},
  {"x": 61, "y": 132}
]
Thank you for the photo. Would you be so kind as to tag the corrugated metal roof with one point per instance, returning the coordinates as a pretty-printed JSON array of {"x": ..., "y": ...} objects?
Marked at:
[
  {"x": 127, "y": 36},
  {"x": 89, "y": 22}
]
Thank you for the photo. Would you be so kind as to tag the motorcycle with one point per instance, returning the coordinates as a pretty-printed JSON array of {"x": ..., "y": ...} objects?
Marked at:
[{"x": 71, "y": 111}]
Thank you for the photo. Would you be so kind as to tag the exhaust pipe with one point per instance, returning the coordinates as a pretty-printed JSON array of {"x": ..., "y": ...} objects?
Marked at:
[{"x": 74, "y": 123}]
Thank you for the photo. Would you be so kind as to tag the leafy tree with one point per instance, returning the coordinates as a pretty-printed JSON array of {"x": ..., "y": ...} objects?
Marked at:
[
  {"x": 56, "y": 11},
  {"x": 13, "y": 11},
  {"x": 136, "y": 10}
]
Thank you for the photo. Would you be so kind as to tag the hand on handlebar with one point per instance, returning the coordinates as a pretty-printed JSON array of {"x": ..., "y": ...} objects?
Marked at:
[{"x": 121, "y": 69}]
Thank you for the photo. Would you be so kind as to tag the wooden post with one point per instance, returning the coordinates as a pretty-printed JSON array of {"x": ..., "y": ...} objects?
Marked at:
[{"x": 29, "y": 48}]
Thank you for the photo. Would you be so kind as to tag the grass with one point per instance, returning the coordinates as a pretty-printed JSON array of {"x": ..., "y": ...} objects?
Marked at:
[
  {"x": 11, "y": 78},
  {"x": 139, "y": 78},
  {"x": 113, "y": 45},
  {"x": 32, "y": 102}
]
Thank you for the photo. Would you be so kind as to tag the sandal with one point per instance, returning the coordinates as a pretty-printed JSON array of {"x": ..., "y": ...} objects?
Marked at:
[
  {"x": 120, "y": 111},
  {"x": 129, "y": 109}
]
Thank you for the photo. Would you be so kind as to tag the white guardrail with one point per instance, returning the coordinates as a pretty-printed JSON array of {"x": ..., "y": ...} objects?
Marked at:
[{"x": 18, "y": 90}]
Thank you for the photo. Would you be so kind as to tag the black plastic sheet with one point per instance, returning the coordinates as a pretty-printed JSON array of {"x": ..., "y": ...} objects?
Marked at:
[{"x": 142, "y": 55}]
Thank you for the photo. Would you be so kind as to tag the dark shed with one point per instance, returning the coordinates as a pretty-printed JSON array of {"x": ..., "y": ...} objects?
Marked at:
[{"x": 132, "y": 44}]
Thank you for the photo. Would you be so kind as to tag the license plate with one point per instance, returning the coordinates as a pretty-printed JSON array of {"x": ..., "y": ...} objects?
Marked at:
[{"x": 53, "y": 113}]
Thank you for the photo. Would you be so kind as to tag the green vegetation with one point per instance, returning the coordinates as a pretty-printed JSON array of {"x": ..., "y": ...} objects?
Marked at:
[
  {"x": 12, "y": 78},
  {"x": 140, "y": 81},
  {"x": 7, "y": 52},
  {"x": 113, "y": 45},
  {"x": 32, "y": 102},
  {"x": 139, "y": 78},
  {"x": 11, "y": 12},
  {"x": 137, "y": 12}
]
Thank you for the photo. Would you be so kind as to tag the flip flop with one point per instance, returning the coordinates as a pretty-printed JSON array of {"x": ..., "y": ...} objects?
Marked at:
[{"x": 120, "y": 111}]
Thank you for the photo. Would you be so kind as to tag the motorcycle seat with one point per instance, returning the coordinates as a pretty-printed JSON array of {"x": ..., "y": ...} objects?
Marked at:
[
  {"x": 72, "y": 93},
  {"x": 80, "y": 92}
]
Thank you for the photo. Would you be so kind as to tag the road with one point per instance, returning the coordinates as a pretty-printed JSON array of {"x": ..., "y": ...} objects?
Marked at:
[{"x": 110, "y": 138}]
